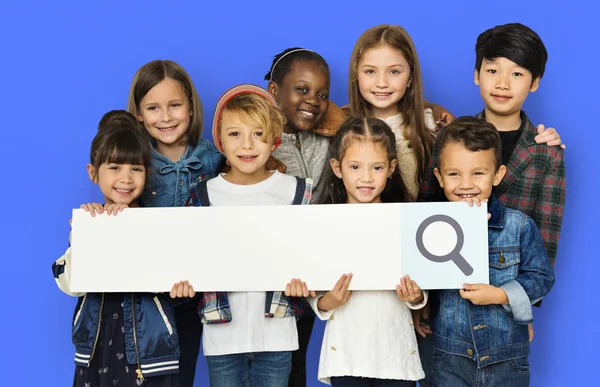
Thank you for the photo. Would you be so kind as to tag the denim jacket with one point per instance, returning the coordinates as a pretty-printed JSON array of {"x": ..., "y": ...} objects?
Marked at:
[
  {"x": 519, "y": 265},
  {"x": 169, "y": 183},
  {"x": 151, "y": 341}
]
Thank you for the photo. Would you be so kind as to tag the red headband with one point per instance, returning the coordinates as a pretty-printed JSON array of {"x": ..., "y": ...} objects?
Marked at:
[{"x": 227, "y": 96}]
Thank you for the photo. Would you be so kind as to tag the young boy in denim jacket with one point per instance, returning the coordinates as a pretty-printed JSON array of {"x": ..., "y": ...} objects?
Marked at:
[{"x": 480, "y": 331}]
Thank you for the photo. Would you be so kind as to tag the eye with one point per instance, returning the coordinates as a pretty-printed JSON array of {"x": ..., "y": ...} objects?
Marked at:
[
  {"x": 258, "y": 133},
  {"x": 233, "y": 134},
  {"x": 152, "y": 108},
  {"x": 378, "y": 168},
  {"x": 491, "y": 71},
  {"x": 302, "y": 89},
  {"x": 176, "y": 105},
  {"x": 353, "y": 167},
  {"x": 369, "y": 71},
  {"x": 113, "y": 167},
  {"x": 324, "y": 95},
  {"x": 452, "y": 174},
  {"x": 479, "y": 173},
  {"x": 517, "y": 74},
  {"x": 395, "y": 72},
  {"x": 138, "y": 168}
]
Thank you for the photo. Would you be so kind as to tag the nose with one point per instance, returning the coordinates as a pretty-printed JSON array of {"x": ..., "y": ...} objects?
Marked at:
[
  {"x": 126, "y": 175},
  {"x": 382, "y": 80},
  {"x": 466, "y": 182},
  {"x": 366, "y": 176},
  {"x": 247, "y": 142},
  {"x": 311, "y": 99},
  {"x": 502, "y": 81},
  {"x": 166, "y": 115}
]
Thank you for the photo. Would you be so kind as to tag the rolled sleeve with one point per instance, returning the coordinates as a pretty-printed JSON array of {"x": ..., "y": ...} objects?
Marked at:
[
  {"x": 321, "y": 314},
  {"x": 519, "y": 303},
  {"x": 420, "y": 305}
]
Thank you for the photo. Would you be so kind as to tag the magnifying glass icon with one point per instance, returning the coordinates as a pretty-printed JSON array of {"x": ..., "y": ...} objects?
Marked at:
[{"x": 454, "y": 255}]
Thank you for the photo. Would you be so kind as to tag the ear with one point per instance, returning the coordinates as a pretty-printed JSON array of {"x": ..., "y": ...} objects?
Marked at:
[
  {"x": 535, "y": 84},
  {"x": 393, "y": 165},
  {"x": 499, "y": 175},
  {"x": 476, "y": 77},
  {"x": 335, "y": 166},
  {"x": 92, "y": 173},
  {"x": 273, "y": 89},
  {"x": 439, "y": 177}
]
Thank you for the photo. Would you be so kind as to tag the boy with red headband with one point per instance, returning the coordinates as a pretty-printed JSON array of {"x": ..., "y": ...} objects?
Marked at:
[{"x": 249, "y": 336}]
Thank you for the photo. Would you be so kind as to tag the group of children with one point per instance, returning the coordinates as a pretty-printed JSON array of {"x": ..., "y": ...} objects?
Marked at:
[{"x": 288, "y": 144}]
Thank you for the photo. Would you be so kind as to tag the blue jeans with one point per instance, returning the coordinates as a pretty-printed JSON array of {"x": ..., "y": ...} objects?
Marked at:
[
  {"x": 456, "y": 371},
  {"x": 256, "y": 369}
]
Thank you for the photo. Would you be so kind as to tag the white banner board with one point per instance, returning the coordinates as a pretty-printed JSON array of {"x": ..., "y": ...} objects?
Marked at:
[{"x": 440, "y": 245}]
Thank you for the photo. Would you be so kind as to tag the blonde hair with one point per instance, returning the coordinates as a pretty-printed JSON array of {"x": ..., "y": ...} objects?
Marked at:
[
  {"x": 251, "y": 106},
  {"x": 420, "y": 139},
  {"x": 152, "y": 73}
]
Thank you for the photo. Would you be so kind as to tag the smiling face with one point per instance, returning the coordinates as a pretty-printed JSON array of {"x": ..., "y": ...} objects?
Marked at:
[
  {"x": 165, "y": 112},
  {"x": 243, "y": 146},
  {"x": 364, "y": 170},
  {"x": 119, "y": 183},
  {"x": 303, "y": 96},
  {"x": 504, "y": 86},
  {"x": 383, "y": 76},
  {"x": 464, "y": 174}
]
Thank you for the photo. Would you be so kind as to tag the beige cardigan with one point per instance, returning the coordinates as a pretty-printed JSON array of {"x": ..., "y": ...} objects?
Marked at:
[{"x": 407, "y": 161}]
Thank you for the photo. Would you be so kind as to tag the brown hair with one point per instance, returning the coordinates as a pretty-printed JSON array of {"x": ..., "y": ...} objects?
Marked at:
[
  {"x": 150, "y": 74},
  {"x": 420, "y": 139},
  {"x": 474, "y": 134},
  {"x": 364, "y": 129},
  {"x": 119, "y": 141}
]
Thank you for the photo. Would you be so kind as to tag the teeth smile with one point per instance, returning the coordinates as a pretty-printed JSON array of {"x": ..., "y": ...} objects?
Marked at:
[
  {"x": 167, "y": 129},
  {"x": 123, "y": 190},
  {"x": 306, "y": 113}
]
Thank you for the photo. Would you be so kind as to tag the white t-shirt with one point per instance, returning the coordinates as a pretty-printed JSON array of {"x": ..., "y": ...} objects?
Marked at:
[{"x": 249, "y": 330}]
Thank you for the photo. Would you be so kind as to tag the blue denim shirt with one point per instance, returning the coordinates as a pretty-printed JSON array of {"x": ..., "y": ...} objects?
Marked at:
[
  {"x": 169, "y": 183},
  {"x": 520, "y": 265}
]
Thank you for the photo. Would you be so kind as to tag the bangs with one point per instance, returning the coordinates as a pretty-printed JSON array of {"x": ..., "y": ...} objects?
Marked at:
[{"x": 124, "y": 147}]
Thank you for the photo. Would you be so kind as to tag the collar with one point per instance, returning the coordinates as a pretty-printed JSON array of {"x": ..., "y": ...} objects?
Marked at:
[
  {"x": 527, "y": 138},
  {"x": 187, "y": 163},
  {"x": 496, "y": 209}
]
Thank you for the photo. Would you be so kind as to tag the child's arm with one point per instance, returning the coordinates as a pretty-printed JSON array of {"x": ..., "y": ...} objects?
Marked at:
[
  {"x": 409, "y": 292},
  {"x": 442, "y": 116},
  {"x": 62, "y": 274},
  {"x": 324, "y": 304},
  {"x": 549, "y": 203},
  {"x": 534, "y": 281}
]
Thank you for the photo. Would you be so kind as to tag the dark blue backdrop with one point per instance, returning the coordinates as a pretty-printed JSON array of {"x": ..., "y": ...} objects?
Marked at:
[{"x": 65, "y": 64}]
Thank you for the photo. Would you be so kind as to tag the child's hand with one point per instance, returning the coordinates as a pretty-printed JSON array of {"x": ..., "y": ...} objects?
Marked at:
[
  {"x": 409, "y": 291},
  {"x": 182, "y": 289},
  {"x": 442, "y": 116},
  {"x": 297, "y": 288},
  {"x": 114, "y": 208},
  {"x": 482, "y": 294},
  {"x": 530, "y": 329},
  {"x": 549, "y": 136},
  {"x": 474, "y": 201},
  {"x": 337, "y": 296},
  {"x": 418, "y": 316},
  {"x": 93, "y": 208}
]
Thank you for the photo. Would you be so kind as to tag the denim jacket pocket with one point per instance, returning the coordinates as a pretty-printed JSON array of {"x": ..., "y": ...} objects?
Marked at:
[
  {"x": 504, "y": 265},
  {"x": 154, "y": 195}
]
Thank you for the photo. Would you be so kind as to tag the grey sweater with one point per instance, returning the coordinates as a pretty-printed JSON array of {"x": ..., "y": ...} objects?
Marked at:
[{"x": 305, "y": 154}]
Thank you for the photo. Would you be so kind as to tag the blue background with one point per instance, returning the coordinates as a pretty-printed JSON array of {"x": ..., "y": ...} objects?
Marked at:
[{"x": 64, "y": 64}]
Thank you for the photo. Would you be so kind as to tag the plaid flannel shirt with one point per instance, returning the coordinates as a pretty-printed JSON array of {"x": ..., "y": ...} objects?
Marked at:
[
  {"x": 534, "y": 183},
  {"x": 213, "y": 307}
]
